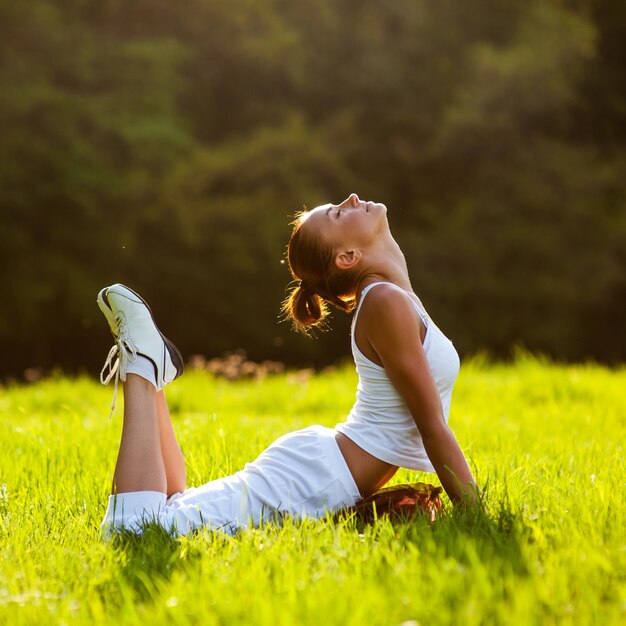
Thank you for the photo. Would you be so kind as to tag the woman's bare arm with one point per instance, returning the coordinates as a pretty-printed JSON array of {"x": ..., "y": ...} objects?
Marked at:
[{"x": 388, "y": 321}]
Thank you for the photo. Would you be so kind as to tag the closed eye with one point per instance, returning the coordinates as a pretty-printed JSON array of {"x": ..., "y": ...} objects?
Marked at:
[{"x": 338, "y": 212}]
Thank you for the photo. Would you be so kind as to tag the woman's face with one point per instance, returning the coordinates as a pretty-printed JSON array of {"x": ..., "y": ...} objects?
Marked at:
[{"x": 353, "y": 223}]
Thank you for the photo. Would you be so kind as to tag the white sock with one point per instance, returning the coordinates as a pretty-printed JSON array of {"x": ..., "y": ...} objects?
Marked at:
[{"x": 142, "y": 367}]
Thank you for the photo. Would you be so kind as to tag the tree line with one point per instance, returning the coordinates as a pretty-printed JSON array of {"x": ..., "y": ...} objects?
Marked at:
[{"x": 166, "y": 145}]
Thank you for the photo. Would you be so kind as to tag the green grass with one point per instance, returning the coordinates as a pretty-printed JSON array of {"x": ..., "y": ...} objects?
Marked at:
[{"x": 545, "y": 441}]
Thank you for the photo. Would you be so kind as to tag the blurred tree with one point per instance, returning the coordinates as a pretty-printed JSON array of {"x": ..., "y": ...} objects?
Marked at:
[
  {"x": 87, "y": 129},
  {"x": 229, "y": 209},
  {"x": 166, "y": 145},
  {"x": 534, "y": 198}
]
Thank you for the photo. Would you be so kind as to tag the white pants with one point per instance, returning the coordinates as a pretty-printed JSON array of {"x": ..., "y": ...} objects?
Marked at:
[{"x": 302, "y": 474}]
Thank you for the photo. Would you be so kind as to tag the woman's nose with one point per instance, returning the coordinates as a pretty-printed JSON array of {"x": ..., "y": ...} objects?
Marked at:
[{"x": 352, "y": 200}]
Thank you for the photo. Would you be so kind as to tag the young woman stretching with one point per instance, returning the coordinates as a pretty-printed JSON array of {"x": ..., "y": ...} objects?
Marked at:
[{"x": 340, "y": 254}]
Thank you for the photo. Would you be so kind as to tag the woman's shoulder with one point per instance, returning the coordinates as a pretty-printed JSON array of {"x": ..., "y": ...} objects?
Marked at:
[
  {"x": 387, "y": 321},
  {"x": 380, "y": 301},
  {"x": 381, "y": 293}
]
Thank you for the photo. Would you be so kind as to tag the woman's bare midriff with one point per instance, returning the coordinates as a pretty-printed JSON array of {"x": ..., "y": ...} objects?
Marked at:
[{"x": 369, "y": 473}]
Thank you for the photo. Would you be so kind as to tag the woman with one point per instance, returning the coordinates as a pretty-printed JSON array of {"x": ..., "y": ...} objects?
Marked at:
[{"x": 340, "y": 254}]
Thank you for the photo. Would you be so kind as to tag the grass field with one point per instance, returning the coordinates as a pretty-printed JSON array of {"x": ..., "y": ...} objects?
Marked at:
[{"x": 546, "y": 442}]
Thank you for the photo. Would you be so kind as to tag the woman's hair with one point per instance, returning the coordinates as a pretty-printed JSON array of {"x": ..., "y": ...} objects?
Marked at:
[{"x": 311, "y": 263}]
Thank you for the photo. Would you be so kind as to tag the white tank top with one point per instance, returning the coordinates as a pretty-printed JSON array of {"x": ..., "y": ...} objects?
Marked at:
[{"x": 380, "y": 421}]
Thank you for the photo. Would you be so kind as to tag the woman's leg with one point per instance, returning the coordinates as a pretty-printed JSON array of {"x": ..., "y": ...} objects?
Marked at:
[
  {"x": 173, "y": 460},
  {"x": 144, "y": 464},
  {"x": 146, "y": 361},
  {"x": 140, "y": 464}
]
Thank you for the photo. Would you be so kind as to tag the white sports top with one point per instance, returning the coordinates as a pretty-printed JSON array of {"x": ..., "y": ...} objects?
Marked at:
[{"x": 380, "y": 422}]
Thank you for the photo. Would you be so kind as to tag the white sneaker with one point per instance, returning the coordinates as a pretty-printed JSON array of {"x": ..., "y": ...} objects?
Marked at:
[{"x": 135, "y": 332}]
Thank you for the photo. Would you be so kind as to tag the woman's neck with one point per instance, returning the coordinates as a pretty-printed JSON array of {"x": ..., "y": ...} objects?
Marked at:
[{"x": 385, "y": 263}]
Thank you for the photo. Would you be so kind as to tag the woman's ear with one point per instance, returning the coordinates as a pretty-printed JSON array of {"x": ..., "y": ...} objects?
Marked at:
[{"x": 347, "y": 259}]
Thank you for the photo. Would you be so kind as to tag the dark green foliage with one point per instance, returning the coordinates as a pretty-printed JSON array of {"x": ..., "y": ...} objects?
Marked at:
[{"x": 166, "y": 145}]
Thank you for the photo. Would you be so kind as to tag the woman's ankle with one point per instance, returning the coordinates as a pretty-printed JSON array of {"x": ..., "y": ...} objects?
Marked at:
[{"x": 143, "y": 368}]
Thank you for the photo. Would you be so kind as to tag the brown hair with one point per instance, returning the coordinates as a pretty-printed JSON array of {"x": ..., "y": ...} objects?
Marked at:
[{"x": 311, "y": 263}]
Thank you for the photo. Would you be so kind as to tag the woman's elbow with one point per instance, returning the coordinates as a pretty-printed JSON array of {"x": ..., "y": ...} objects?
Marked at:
[{"x": 433, "y": 430}]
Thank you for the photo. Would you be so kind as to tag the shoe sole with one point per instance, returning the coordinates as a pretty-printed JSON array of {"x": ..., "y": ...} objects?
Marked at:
[{"x": 175, "y": 355}]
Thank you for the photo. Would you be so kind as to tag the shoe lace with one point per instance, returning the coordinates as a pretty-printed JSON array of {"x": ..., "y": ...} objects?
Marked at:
[{"x": 120, "y": 354}]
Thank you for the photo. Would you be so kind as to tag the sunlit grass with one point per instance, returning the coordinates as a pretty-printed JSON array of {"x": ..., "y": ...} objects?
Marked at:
[{"x": 546, "y": 442}]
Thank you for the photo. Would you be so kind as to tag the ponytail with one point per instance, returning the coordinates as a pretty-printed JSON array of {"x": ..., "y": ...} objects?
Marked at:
[
  {"x": 319, "y": 282},
  {"x": 305, "y": 308}
]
